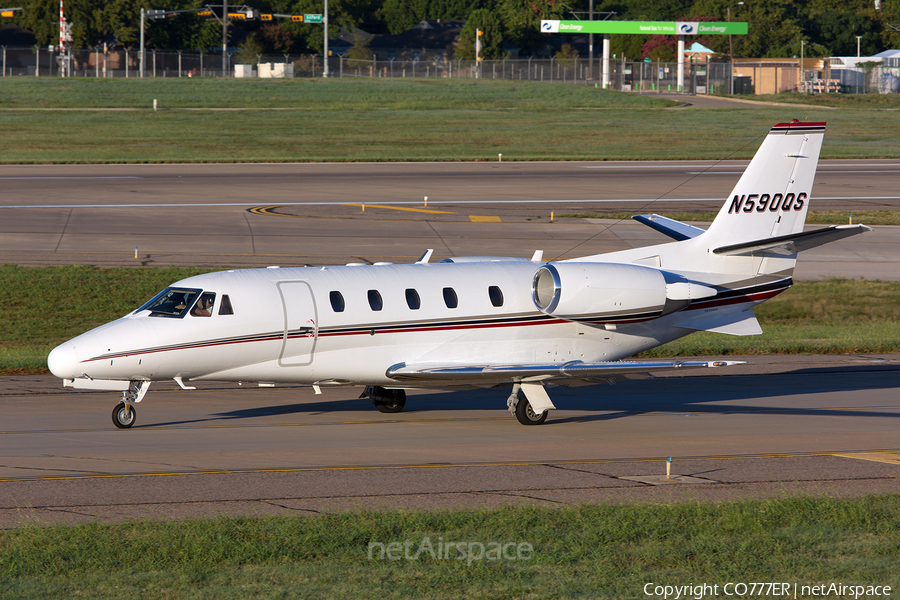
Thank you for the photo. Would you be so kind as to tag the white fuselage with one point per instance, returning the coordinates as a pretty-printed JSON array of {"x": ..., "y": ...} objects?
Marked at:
[{"x": 284, "y": 327}]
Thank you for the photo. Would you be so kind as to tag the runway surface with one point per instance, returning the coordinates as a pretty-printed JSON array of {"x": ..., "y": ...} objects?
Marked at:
[
  {"x": 218, "y": 216},
  {"x": 779, "y": 425}
]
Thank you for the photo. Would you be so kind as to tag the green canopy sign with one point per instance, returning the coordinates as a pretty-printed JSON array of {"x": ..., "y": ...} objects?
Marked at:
[{"x": 645, "y": 27}]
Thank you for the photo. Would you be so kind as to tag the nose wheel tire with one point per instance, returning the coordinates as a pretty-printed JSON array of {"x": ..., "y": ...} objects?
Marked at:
[
  {"x": 123, "y": 416},
  {"x": 526, "y": 415}
]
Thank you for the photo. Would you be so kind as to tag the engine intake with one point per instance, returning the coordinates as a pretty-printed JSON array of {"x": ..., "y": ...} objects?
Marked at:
[{"x": 613, "y": 293}]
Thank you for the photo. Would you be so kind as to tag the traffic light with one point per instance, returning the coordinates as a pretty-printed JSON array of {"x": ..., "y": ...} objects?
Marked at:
[
  {"x": 297, "y": 18},
  {"x": 265, "y": 17},
  {"x": 156, "y": 14},
  {"x": 205, "y": 13},
  {"x": 7, "y": 13}
]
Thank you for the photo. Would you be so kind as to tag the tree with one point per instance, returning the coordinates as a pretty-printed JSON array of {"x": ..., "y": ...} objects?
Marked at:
[
  {"x": 402, "y": 15},
  {"x": 522, "y": 19},
  {"x": 360, "y": 50},
  {"x": 491, "y": 40},
  {"x": 276, "y": 39},
  {"x": 773, "y": 29},
  {"x": 250, "y": 50}
]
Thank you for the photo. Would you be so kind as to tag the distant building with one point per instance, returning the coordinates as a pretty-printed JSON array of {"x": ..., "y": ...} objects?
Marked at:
[{"x": 698, "y": 53}]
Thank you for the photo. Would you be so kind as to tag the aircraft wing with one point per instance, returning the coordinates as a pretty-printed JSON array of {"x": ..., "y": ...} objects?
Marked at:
[
  {"x": 533, "y": 373},
  {"x": 676, "y": 230},
  {"x": 796, "y": 242}
]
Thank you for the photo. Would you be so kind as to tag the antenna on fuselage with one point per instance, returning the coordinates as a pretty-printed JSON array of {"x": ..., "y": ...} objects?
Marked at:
[{"x": 425, "y": 257}]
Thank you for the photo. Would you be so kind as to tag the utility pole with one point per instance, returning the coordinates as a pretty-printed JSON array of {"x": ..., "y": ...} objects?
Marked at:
[
  {"x": 591, "y": 41},
  {"x": 143, "y": 14},
  {"x": 731, "y": 49},
  {"x": 325, "y": 57},
  {"x": 225, "y": 38}
]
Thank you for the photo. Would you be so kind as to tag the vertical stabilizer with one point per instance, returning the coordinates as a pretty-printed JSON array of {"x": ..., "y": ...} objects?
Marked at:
[{"x": 772, "y": 196}]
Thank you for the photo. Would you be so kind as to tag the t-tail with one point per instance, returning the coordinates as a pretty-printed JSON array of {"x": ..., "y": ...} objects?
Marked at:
[
  {"x": 773, "y": 195},
  {"x": 759, "y": 229}
]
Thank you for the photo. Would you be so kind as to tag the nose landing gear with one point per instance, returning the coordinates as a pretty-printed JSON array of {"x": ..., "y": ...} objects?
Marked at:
[{"x": 124, "y": 415}]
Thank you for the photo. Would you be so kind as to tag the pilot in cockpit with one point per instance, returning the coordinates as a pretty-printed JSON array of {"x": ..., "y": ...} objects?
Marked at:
[{"x": 204, "y": 306}]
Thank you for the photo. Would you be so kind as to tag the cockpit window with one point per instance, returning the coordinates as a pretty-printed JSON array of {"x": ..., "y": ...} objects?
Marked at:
[
  {"x": 204, "y": 306},
  {"x": 225, "y": 306},
  {"x": 171, "y": 302}
]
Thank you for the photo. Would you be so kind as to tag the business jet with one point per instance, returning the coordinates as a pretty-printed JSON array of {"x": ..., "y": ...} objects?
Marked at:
[{"x": 476, "y": 321}]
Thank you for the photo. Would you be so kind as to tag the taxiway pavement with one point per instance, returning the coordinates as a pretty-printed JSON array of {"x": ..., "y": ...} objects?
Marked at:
[
  {"x": 819, "y": 425},
  {"x": 245, "y": 215}
]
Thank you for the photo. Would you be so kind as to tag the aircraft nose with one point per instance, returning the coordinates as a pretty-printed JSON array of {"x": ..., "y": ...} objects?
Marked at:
[{"x": 63, "y": 361}]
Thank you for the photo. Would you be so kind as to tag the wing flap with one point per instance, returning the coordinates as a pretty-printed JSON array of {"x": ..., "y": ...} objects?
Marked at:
[{"x": 537, "y": 372}]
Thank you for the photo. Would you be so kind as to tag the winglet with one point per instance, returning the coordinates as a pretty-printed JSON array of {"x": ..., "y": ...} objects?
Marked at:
[{"x": 423, "y": 260}]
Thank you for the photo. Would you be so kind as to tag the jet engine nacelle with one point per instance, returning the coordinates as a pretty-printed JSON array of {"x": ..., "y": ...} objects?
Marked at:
[{"x": 611, "y": 292}]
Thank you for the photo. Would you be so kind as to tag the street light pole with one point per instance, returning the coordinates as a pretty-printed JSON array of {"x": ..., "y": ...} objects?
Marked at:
[
  {"x": 802, "y": 42},
  {"x": 858, "y": 38},
  {"x": 225, "y": 38},
  {"x": 730, "y": 48},
  {"x": 325, "y": 58},
  {"x": 591, "y": 41}
]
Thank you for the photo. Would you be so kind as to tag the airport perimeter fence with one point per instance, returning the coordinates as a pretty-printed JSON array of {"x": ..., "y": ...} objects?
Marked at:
[
  {"x": 643, "y": 76},
  {"x": 699, "y": 78}
]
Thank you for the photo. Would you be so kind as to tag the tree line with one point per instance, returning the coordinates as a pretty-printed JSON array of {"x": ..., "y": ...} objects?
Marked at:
[{"x": 776, "y": 27}]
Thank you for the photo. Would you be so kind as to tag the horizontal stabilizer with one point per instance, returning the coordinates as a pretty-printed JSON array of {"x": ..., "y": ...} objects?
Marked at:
[
  {"x": 733, "y": 323},
  {"x": 676, "y": 230},
  {"x": 795, "y": 242},
  {"x": 502, "y": 373}
]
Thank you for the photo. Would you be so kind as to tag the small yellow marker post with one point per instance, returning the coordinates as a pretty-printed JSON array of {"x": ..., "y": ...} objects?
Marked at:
[
  {"x": 364, "y": 208},
  {"x": 669, "y": 468},
  {"x": 135, "y": 251},
  {"x": 499, "y": 158},
  {"x": 551, "y": 216},
  {"x": 851, "y": 219},
  {"x": 426, "y": 201}
]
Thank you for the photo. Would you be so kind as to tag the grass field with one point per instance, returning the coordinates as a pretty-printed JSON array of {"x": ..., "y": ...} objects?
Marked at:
[
  {"x": 580, "y": 552},
  {"x": 44, "y": 306},
  {"x": 392, "y": 120}
]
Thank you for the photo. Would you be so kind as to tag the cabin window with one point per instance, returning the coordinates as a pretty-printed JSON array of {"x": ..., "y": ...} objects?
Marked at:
[
  {"x": 337, "y": 301},
  {"x": 204, "y": 306},
  {"x": 450, "y": 298},
  {"x": 225, "y": 306},
  {"x": 171, "y": 302},
  {"x": 495, "y": 295},
  {"x": 412, "y": 299},
  {"x": 375, "y": 300}
]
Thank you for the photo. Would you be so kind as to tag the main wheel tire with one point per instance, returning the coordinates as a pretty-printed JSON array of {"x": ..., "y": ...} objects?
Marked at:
[
  {"x": 123, "y": 416},
  {"x": 526, "y": 415},
  {"x": 389, "y": 401}
]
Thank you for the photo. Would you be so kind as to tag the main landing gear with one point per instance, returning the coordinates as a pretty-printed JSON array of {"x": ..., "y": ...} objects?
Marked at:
[
  {"x": 386, "y": 401},
  {"x": 124, "y": 415},
  {"x": 519, "y": 405}
]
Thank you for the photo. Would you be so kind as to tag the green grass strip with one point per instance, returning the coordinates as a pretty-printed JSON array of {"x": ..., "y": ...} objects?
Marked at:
[
  {"x": 41, "y": 307},
  {"x": 49, "y": 120},
  {"x": 577, "y": 552}
]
